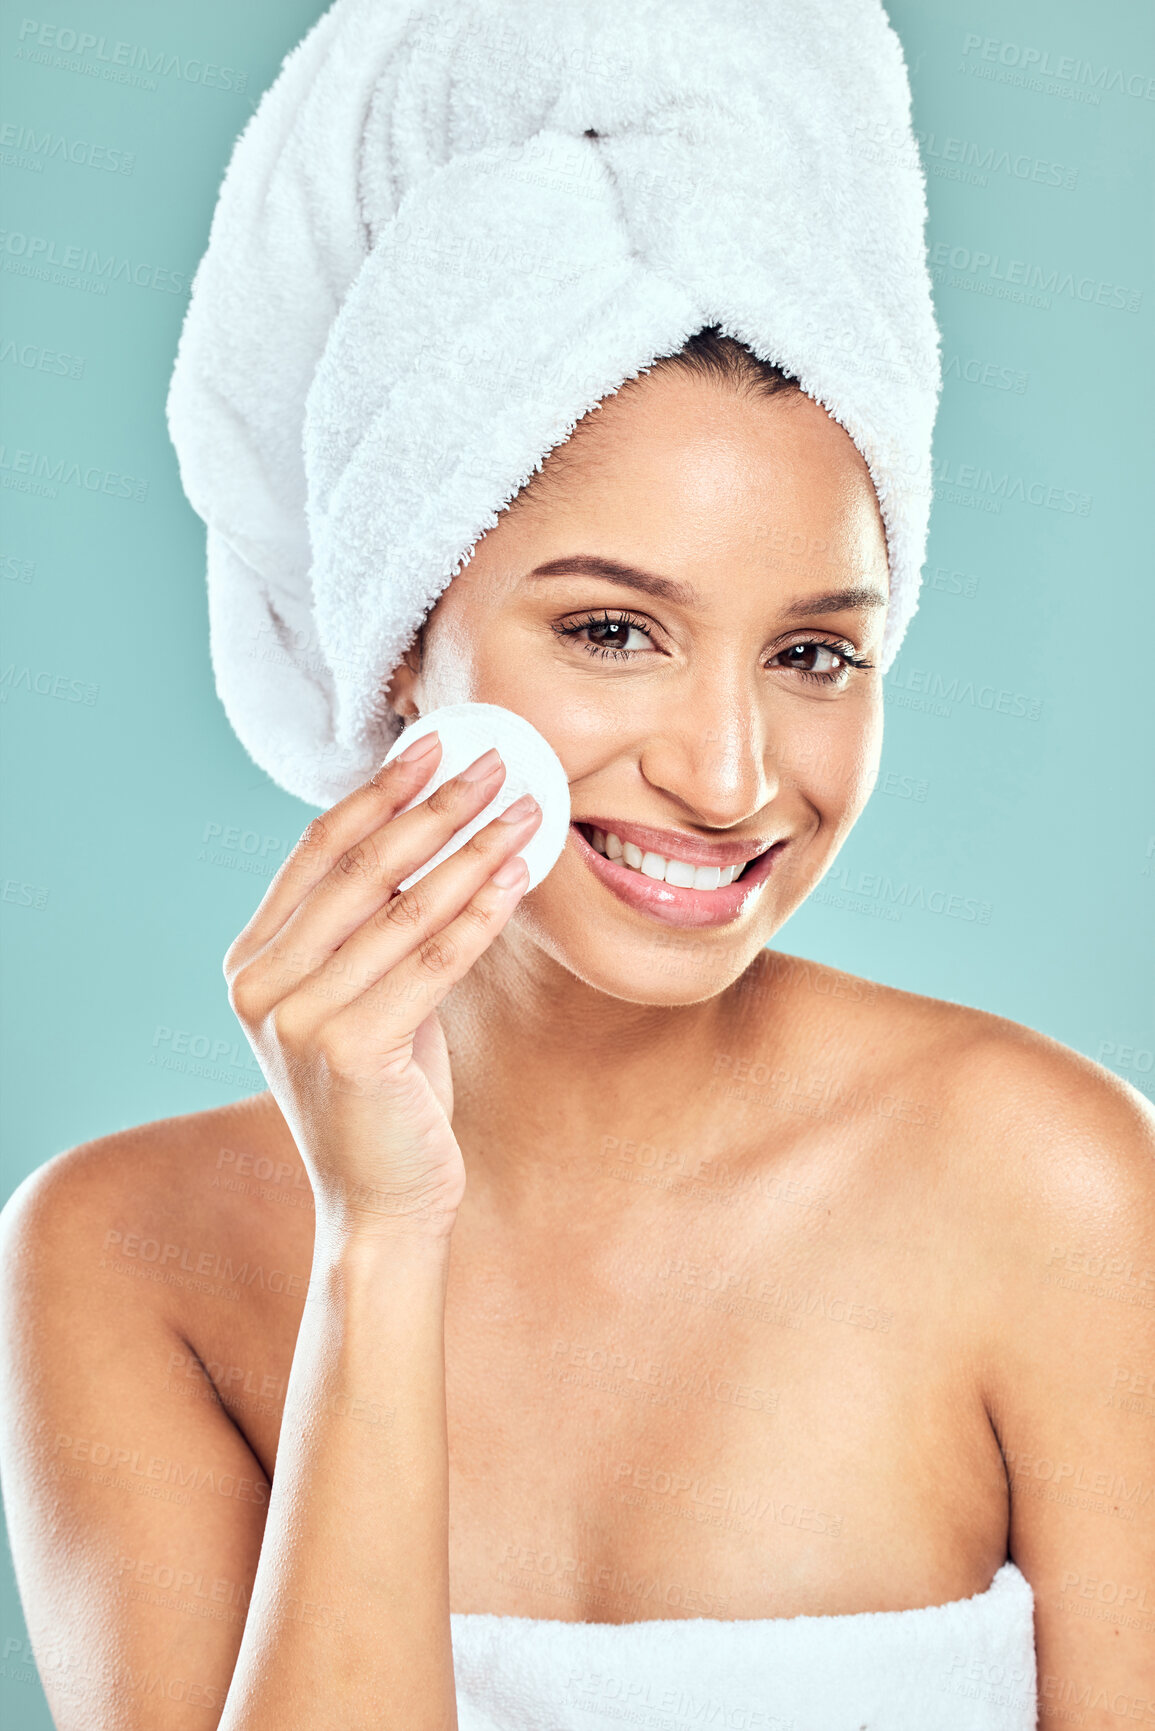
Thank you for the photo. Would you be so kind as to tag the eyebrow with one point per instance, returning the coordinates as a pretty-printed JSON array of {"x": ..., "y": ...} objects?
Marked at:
[{"x": 682, "y": 595}]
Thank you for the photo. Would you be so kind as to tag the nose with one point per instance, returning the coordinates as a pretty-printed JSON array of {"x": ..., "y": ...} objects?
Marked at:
[{"x": 711, "y": 754}]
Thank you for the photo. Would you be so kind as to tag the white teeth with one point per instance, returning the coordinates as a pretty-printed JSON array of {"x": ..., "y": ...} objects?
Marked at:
[{"x": 680, "y": 873}]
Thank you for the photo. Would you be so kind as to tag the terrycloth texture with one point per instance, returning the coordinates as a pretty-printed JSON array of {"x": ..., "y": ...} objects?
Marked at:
[
  {"x": 421, "y": 273},
  {"x": 966, "y": 1666}
]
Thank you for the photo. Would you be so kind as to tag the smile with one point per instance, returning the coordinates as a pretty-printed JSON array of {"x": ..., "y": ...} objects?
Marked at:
[
  {"x": 669, "y": 887},
  {"x": 678, "y": 872}
]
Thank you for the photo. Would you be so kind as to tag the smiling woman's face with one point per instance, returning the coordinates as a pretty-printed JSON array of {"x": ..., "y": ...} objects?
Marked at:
[{"x": 704, "y": 703}]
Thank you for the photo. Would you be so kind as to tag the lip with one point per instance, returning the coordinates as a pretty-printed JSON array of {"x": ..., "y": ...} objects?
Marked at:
[
  {"x": 672, "y": 844},
  {"x": 666, "y": 902}
]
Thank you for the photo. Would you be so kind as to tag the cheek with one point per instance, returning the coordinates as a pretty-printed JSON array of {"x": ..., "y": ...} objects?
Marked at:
[
  {"x": 585, "y": 725},
  {"x": 863, "y": 756},
  {"x": 449, "y": 665},
  {"x": 830, "y": 755}
]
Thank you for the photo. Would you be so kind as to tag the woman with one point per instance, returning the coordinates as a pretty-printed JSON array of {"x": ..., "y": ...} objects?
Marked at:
[{"x": 571, "y": 1309}]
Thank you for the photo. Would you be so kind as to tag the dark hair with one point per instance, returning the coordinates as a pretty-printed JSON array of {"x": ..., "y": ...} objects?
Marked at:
[{"x": 710, "y": 355}]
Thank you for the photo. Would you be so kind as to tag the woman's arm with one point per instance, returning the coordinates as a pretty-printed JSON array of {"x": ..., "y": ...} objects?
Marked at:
[
  {"x": 359, "y": 1510},
  {"x": 137, "y": 1515},
  {"x": 134, "y": 1514},
  {"x": 336, "y": 980},
  {"x": 1071, "y": 1298}
]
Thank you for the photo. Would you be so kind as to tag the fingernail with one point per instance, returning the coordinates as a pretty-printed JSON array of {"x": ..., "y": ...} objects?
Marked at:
[
  {"x": 508, "y": 876},
  {"x": 483, "y": 766},
  {"x": 521, "y": 808},
  {"x": 419, "y": 747}
]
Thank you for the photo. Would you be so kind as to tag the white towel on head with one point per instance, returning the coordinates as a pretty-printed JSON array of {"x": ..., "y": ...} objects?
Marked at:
[{"x": 422, "y": 272}]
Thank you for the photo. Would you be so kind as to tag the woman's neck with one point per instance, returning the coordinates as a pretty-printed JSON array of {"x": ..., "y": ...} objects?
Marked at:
[{"x": 548, "y": 1072}]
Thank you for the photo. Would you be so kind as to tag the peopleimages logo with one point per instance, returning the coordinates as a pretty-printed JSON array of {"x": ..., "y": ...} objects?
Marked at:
[
  {"x": 80, "y": 51},
  {"x": 878, "y": 888},
  {"x": 37, "y": 359},
  {"x": 37, "y": 148},
  {"x": 36, "y": 254},
  {"x": 36, "y": 472},
  {"x": 927, "y": 687},
  {"x": 44, "y": 683},
  {"x": 945, "y": 156},
  {"x": 998, "y": 489},
  {"x": 986, "y": 373},
  {"x": 1040, "y": 62},
  {"x": 1018, "y": 278}
]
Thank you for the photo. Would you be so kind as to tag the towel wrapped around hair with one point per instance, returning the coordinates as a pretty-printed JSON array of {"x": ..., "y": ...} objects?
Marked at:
[{"x": 449, "y": 231}]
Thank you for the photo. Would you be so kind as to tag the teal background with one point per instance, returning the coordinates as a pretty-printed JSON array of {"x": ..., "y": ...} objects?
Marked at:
[{"x": 1005, "y": 860}]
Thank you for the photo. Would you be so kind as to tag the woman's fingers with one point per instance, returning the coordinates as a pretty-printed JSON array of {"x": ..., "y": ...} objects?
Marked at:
[
  {"x": 408, "y": 938},
  {"x": 364, "y": 1040},
  {"x": 351, "y": 860},
  {"x": 365, "y": 878},
  {"x": 328, "y": 839},
  {"x": 333, "y": 930}
]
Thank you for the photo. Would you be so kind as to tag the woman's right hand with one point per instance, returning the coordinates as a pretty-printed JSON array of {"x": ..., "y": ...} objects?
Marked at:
[{"x": 336, "y": 980}]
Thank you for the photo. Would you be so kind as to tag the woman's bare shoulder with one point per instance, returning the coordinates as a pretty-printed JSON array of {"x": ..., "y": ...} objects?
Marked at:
[
  {"x": 991, "y": 1086},
  {"x": 176, "y": 1180},
  {"x": 1040, "y": 1218},
  {"x": 126, "y": 1453},
  {"x": 1012, "y": 1086}
]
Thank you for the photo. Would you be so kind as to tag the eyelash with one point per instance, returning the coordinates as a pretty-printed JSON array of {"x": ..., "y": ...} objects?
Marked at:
[{"x": 841, "y": 649}]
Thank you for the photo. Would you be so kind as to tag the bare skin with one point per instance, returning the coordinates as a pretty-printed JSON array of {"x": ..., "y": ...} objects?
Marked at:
[{"x": 713, "y": 1230}]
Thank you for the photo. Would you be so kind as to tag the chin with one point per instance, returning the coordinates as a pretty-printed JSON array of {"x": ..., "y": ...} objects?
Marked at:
[{"x": 632, "y": 958}]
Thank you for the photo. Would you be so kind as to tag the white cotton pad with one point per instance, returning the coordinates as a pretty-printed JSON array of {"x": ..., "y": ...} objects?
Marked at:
[{"x": 466, "y": 730}]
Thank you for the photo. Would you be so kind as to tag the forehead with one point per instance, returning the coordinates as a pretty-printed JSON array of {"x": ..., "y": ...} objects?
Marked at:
[{"x": 679, "y": 472}]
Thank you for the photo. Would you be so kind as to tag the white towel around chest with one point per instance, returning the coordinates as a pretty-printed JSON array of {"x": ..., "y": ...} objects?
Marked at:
[{"x": 965, "y": 1666}]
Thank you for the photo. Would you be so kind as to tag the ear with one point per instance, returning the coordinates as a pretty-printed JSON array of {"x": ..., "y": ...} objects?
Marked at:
[{"x": 400, "y": 691}]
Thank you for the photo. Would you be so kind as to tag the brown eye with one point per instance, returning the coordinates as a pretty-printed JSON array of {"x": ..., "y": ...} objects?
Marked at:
[
  {"x": 817, "y": 658},
  {"x": 618, "y": 639},
  {"x": 610, "y": 633}
]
